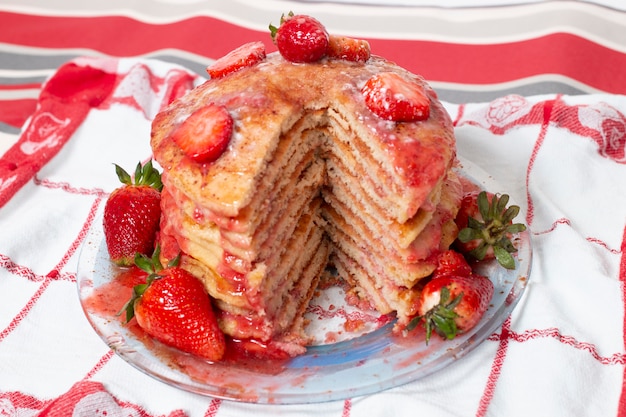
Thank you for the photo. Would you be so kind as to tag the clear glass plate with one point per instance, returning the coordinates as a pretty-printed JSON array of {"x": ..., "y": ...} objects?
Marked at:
[{"x": 339, "y": 365}]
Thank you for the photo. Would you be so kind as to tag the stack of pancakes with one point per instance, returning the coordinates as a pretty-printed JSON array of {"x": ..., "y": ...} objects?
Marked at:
[{"x": 311, "y": 177}]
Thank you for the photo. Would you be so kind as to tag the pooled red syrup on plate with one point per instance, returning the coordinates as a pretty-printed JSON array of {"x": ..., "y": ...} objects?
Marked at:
[{"x": 108, "y": 300}]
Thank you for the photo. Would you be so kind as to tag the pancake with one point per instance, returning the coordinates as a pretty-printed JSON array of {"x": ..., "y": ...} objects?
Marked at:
[{"x": 311, "y": 178}]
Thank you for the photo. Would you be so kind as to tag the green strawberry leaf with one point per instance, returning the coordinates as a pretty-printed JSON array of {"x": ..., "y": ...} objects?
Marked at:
[
  {"x": 494, "y": 229},
  {"x": 504, "y": 257}
]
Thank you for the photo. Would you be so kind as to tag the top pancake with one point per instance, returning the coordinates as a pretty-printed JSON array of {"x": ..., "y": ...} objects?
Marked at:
[{"x": 267, "y": 99}]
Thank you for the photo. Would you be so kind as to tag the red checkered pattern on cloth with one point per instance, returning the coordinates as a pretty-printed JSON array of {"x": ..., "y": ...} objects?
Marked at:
[
  {"x": 560, "y": 353},
  {"x": 84, "y": 399},
  {"x": 64, "y": 103}
]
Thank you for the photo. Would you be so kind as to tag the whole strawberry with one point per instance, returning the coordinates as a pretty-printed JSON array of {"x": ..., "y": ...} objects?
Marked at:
[
  {"x": 132, "y": 214},
  {"x": 451, "y": 262},
  {"x": 174, "y": 308},
  {"x": 300, "y": 38},
  {"x": 486, "y": 226},
  {"x": 453, "y": 304}
]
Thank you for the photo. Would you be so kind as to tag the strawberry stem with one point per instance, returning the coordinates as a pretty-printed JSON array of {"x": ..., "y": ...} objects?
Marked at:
[
  {"x": 143, "y": 175},
  {"x": 152, "y": 266},
  {"x": 494, "y": 229},
  {"x": 440, "y": 318},
  {"x": 274, "y": 29}
]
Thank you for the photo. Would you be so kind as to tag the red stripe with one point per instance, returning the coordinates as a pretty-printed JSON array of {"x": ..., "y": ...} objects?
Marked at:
[
  {"x": 347, "y": 408},
  {"x": 618, "y": 358},
  {"x": 547, "y": 114},
  {"x": 103, "y": 361},
  {"x": 9, "y": 87},
  {"x": 139, "y": 37},
  {"x": 15, "y": 112},
  {"x": 21, "y": 400},
  {"x": 76, "y": 244},
  {"x": 622, "y": 277},
  {"x": 214, "y": 407},
  {"x": 51, "y": 276},
  {"x": 558, "y": 53},
  {"x": 459, "y": 115},
  {"x": 98, "y": 192},
  {"x": 496, "y": 370},
  {"x": 25, "y": 310},
  {"x": 19, "y": 270}
]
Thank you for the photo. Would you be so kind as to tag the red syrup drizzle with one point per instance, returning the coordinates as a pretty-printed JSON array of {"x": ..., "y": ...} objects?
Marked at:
[{"x": 108, "y": 300}]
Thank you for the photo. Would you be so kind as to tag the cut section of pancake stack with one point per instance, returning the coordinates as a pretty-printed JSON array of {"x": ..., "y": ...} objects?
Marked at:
[{"x": 311, "y": 179}]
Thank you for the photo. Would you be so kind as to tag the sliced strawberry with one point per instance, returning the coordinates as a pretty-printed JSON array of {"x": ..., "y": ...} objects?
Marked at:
[
  {"x": 205, "y": 134},
  {"x": 451, "y": 262},
  {"x": 453, "y": 304},
  {"x": 300, "y": 38},
  {"x": 246, "y": 55},
  {"x": 350, "y": 49},
  {"x": 132, "y": 214},
  {"x": 174, "y": 308},
  {"x": 392, "y": 97}
]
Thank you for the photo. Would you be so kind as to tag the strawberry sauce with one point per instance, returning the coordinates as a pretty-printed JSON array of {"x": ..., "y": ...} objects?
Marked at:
[{"x": 107, "y": 301}]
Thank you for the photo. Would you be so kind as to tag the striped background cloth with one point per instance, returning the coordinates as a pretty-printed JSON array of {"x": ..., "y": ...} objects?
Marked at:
[
  {"x": 528, "y": 75},
  {"x": 470, "y": 54}
]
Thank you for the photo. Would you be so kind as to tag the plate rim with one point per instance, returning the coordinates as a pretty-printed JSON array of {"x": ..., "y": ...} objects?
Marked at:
[{"x": 450, "y": 350}]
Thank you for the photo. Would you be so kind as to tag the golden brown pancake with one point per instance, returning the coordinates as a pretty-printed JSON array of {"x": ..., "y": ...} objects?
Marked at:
[{"x": 311, "y": 176}]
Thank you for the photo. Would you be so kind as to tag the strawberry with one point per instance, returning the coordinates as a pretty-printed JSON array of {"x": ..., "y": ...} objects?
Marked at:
[
  {"x": 350, "y": 49},
  {"x": 174, "y": 308},
  {"x": 132, "y": 213},
  {"x": 205, "y": 134},
  {"x": 486, "y": 226},
  {"x": 246, "y": 55},
  {"x": 453, "y": 304},
  {"x": 451, "y": 262},
  {"x": 300, "y": 38},
  {"x": 393, "y": 97}
]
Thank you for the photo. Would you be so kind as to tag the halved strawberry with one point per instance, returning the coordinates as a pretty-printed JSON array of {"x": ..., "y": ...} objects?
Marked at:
[
  {"x": 246, "y": 55},
  {"x": 132, "y": 213},
  {"x": 300, "y": 38},
  {"x": 486, "y": 226},
  {"x": 350, "y": 49},
  {"x": 174, "y": 308},
  {"x": 205, "y": 134},
  {"x": 453, "y": 304},
  {"x": 393, "y": 97}
]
